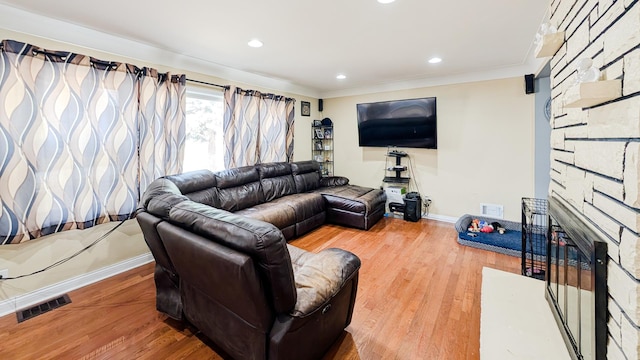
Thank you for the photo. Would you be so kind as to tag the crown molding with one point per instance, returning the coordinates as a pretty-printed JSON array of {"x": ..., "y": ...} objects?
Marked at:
[{"x": 494, "y": 74}]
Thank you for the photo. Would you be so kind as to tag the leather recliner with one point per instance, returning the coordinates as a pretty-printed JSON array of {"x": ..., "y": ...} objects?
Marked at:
[{"x": 236, "y": 279}]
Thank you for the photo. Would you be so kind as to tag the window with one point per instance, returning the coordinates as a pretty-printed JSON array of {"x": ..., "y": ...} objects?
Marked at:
[{"x": 204, "y": 147}]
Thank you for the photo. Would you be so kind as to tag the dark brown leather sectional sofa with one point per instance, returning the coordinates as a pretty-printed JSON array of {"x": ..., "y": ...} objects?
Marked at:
[{"x": 223, "y": 262}]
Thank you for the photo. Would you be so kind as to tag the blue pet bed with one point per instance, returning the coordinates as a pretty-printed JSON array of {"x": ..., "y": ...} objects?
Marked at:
[{"x": 509, "y": 243}]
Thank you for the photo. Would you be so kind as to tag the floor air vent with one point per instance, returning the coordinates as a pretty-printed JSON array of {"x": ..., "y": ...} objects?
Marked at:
[{"x": 40, "y": 309}]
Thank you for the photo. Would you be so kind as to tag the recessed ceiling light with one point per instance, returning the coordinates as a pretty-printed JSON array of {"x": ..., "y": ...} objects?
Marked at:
[
  {"x": 341, "y": 77},
  {"x": 255, "y": 43},
  {"x": 386, "y": 1},
  {"x": 434, "y": 60}
]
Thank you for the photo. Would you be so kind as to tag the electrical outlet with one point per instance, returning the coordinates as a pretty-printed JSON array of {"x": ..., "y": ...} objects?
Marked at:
[
  {"x": 426, "y": 201},
  {"x": 4, "y": 273}
]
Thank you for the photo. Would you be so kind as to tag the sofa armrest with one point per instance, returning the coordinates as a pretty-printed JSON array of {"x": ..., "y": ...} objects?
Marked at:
[
  {"x": 333, "y": 181},
  {"x": 320, "y": 276}
]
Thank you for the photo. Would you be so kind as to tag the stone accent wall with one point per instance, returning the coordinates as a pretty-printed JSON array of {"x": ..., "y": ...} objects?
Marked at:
[{"x": 595, "y": 164}]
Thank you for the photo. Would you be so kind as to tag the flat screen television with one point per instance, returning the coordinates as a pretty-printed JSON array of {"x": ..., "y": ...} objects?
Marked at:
[{"x": 400, "y": 123}]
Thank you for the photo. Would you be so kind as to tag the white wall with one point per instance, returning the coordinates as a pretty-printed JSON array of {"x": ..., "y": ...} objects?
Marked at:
[
  {"x": 485, "y": 146},
  {"x": 542, "y": 150}
]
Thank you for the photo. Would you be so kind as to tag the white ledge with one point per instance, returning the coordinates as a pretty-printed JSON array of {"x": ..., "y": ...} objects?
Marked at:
[
  {"x": 589, "y": 94},
  {"x": 550, "y": 44}
]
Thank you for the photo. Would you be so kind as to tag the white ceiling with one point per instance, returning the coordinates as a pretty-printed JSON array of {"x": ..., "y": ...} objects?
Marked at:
[{"x": 307, "y": 43}]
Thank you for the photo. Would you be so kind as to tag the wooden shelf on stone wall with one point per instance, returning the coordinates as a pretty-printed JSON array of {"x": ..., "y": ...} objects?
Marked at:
[
  {"x": 589, "y": 94},
  {"x": 550, "y": 44}
]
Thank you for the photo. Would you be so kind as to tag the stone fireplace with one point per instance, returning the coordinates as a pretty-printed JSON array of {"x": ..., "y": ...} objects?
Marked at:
[{"x": 595, "y": 160}]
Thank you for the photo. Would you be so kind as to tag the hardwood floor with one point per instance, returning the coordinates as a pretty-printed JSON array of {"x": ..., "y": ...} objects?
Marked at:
[{"x": 418, "y": 298}]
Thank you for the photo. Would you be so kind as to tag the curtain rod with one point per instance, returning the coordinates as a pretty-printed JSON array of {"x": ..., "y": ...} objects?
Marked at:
[
  {"x": 208, "y": 83},
  {"x": 227, "y": 87}
]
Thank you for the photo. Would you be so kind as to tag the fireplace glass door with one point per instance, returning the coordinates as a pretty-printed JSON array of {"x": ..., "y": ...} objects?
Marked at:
[{"x": 576, "y": 288}]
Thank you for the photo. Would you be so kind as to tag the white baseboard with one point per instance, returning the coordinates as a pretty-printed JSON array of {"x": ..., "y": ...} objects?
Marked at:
[
  {"x": 35, "y": 297},
  {"x": 443, "y": 218}
]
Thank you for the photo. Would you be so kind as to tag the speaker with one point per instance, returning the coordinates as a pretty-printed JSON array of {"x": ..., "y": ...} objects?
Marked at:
[
  {"x": 320, "y": 105},
  {"x": 412, "y": 207},
  {"x": 528, "y": 84}
]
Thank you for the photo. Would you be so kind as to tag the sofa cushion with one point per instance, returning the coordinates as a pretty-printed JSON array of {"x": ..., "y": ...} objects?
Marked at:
[
  {"x": 306, "y": 175},
  {"x": 198, "y": 186},
  {"x": 352, "y": 198},
  {"x": 161, "y": 205},
  {"x": 305, "y": 205},
  {"x": 193, "y": 181},
  {"x": 260, "y": 240},
  {"x": 276, "y": 180},
  {"x": 269, "y": 170},
  {"x": 157, "y": 187},
  {"x": 209, "y": 196},
  {"x": 274, "y": 212},
  {"x": 236, "y": 177},
  {"x": 292, "y": 210},
  {"x": 320, "y": 276},
  {"x": 334, "y": 181},
  {"x": 239, "y": 188}
]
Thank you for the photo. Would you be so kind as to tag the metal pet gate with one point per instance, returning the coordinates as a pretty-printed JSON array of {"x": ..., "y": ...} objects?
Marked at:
[{"x": 534, "y": 237}]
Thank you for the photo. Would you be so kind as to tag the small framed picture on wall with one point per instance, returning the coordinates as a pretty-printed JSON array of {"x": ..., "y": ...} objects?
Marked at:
[{"x": 305, "y": 108}]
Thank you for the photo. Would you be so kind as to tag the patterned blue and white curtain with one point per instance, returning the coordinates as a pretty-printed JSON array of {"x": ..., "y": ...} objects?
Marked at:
[
  {"x": 258, "y": 128},
  {"x": 69, "y": 141},
  {"x": 162, "y": 125}
]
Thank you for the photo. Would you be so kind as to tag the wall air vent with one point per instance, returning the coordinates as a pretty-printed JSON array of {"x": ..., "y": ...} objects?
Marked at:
[{"x": 492, "y": 210}]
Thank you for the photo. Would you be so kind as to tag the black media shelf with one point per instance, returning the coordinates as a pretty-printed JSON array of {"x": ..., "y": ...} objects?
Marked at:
[
  {"x": 397, "y": 154},
  {"x": 396, "y": 179},
  {"x": 397, "y": 168}
]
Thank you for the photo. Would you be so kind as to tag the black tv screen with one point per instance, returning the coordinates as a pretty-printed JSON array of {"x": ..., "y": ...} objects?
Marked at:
[{"x": 401, "y": 123}]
